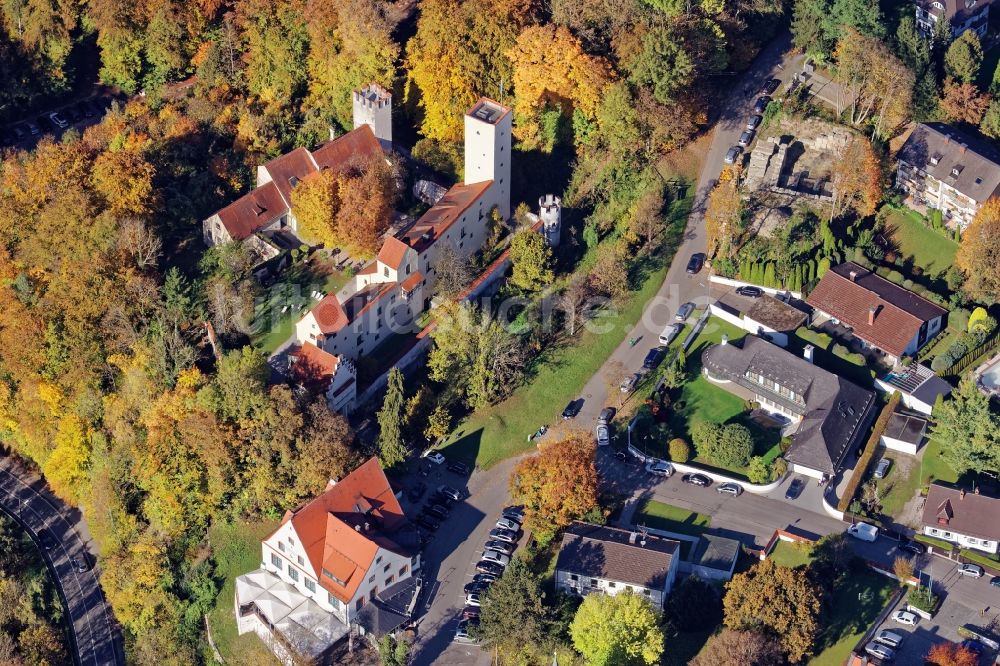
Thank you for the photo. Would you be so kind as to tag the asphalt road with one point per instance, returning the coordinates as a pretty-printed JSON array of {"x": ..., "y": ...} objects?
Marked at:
[{"x": 96, "y": 639}]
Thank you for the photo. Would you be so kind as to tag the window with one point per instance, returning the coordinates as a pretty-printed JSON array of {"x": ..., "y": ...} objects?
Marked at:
[
  {"x": 360, "y": 604},
  {"x": 386, "y": 568},
  {"x": 574, "y": 577},
  {"x": 385, "y": 271},
  {"x": 293, "y": 573},
  {"x": 334, "y": 601},
  {"x": 275, "y": 560},
  {"x": 379, "y": 558},
  {"x": 281, "y": 546},
  {"x": 372, "y": 579},
  {"x": 593, "y": 582},
  {"x": 310, "y": 585},
  {"x": 403, "y": 569},
  {"x": 407, "y": 269},
  {"x": 388, "y": 581},
  {"x": 301, "y": 561},
  {"x": 612, "y": 584}
]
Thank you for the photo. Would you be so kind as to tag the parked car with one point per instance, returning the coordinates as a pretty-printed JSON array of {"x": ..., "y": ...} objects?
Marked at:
[
  {"x": 770, "y": 86},
  {"x": 434, "y": 457},
  {"x": 863, "y": 531},
  {"x": 669, "y": 334},
  {"x": 417, "y": 491},
  {"x": 603, "y": 434},
  {"x": 971, "y": 570},
  {"x": 459, "y": 468},
  {"x": 882, "y": 468},
  {"x": 573, "y": 408},
  {"x": 473, "y": 600},
  {"x": 653, "y": 358},
  {"x": 448, "y": 491},
  {"x": 696, "y": 262},
  {"x": 444, "y": 500},
  {"x": 462, "y": 632},
  {"x": 746, "y": 138},
  {"x": 80, "y": 564},
  {"x": 883, "y": 652},
  {"x": 794, "y": 489},
  {"x": 911, "y": 547},
  {"x": 660, "y": 468},
  {"x": 46, "y": 540},
  {"x": 484, "y": 566},
  {"x": 510, "y": 536},
  {"x": 475, "y": 588},
  {"x": 58, "y": 120},
  {"x": 697, "y": 480},
  {"x": 733, "y": 489},
  {"x": 905, "y": 617},
  {"x": 483, "y": 579},
  {"x": 754, "y": 122},
  {"x": 427, "y": 523},
  {"x": 890, "y": 638},
  {"x": 606, "y": 415},
  {"x": 750, "y": 292},
  {"x": 508, "y": 524},
  {"x": 471, "y": 613},
  {"x": 684, "y": 311},
  {"x": 995, "y": 581},
  {"x": 497, "y": 557},
  {"x": 33, "y": 128},
  {"x": 436, "y": 511},
  {"x": 500, "y": 546},
  {"x": 629, "y": 383},
  {"x": 733, "y": 154},
  {"x": 761, "y": 104},
  {"x": 514, "y": 512}
]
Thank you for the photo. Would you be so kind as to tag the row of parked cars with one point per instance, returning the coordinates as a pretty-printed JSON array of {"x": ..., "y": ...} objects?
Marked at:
[
  {"x": 51, "y": 122},
  {"x": 754, "y": 121},
  {"x": 497, "y": 551}
]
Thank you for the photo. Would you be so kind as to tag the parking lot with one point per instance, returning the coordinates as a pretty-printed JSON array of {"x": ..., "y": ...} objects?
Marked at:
[{"x": 80, "y": 114}]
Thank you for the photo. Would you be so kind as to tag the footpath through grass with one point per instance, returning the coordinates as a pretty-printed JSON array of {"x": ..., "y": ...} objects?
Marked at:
[
  {"x": 498, "y": 432},
  {"x": 236, "y": 548}
]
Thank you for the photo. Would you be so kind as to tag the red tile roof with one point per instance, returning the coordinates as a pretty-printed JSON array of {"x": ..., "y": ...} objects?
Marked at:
[
  {"x": 286, "y": 171},
  {"x": 435, "y": 222},
  {"x": 393, "y": 252},
  {"x": 330, "y": 315},
  {"x": 313, "y": 367},
  {"x": 412, "y": 282},
  {"x": 359, "y": 143},
  {"x": 331, "y": 527},
  {"x": 255, "y": 209},
  {"x": 899, "y": 313}
]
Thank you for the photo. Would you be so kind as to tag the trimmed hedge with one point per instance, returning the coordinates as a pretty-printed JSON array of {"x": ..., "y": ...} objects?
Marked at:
[
  {"x": 979, "y": 558},
  {"x": 815, "y": 338},
  {"x": 869, "y": 453},
  {"x": 931, "y": 541}
]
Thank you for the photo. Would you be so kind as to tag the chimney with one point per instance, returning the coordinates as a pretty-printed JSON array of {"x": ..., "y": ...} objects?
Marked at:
[
  {"x": 367, "y": 526},
  {"x": 976, "y": 491},
  {"x": 357, "y": 528},
  {"x": 872, "y": 311},
  {"x": 807, "y": 353},
  {"x": 632, "y": 538},
  {"x": 854, "y": 276}
]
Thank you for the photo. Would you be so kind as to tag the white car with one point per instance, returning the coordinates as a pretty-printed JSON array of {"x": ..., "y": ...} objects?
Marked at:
[
  {"x": 508, "y": 524},
  {"x": 496, "y": 557},
  {"x": 434, "y": 457},
  {"x": 603, "y": 435},
  {"x": 669, "y": 333},
  {"x": 660, "y": 468},
  {"x": 905, "y": 617},
  {"x": 973, "y": 570},
  {"x": 473, "y": 600},
  {"x": 863, "y": 531}
]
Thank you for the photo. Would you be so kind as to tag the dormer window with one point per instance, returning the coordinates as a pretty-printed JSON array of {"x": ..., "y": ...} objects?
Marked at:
[
  {"x": 956, "y": 170},
  {"x": 938, "y": 5},
  {"x": 936, "y": 157}
]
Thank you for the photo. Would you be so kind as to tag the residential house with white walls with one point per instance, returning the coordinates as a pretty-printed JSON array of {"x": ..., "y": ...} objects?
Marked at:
[
  {"x": 967, "y": 519},
  {"x": 341, "y": 560},
  {"x": 322, "y": 373}
]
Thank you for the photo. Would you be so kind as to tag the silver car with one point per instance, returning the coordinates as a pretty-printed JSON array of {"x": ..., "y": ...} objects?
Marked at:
[
  {"x": 684, "y": 311},
  {"x": 733, "y": 489}
]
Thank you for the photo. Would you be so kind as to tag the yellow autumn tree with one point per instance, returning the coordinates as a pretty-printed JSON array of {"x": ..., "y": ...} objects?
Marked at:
[
  {"x": 978, "y": 253},
  {"x": 724, "y": 215},
  {"x": 550, "y": 66},
  {"x": 125, "y": 180},
  {"x": 66, "y": 468},
  {"x": 315, "y": 204}
]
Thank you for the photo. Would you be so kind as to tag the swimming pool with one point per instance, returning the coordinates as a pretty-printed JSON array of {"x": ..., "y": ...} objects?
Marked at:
[{"x": 989, "y": 375}]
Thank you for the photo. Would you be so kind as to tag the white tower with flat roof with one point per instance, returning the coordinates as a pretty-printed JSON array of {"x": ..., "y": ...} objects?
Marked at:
[
  {"x": 487, "y": 150},
  {"x": 373, "y": 107},
  {"x": 550, "y": 211}
]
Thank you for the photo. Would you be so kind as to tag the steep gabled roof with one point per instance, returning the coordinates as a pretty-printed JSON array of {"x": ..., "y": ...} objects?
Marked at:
[
  {"x": 598, "y": 551},
  {"x": 254, "y": 210},
  {"x": 286, "y": 171},
  {"x": 359, "y": 143},
  {"x": 312, "y": 367},
  {"x": 964, "y": 513},
  {"x": 966, "y": 163},
  {"x": 393, "y": 252},
  {"x": 435, "y": 222},
  {"x": 849, "y": 292}
]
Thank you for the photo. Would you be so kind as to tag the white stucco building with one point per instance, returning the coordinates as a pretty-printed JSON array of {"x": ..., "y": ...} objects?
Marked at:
[{"x": 969, "y": 520}]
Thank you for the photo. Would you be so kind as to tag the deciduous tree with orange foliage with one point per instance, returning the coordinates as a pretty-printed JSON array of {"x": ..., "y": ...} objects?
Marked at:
[
  {"x": 876, "y": 86},
  {"x": 366, "y": 191},
  {"x": 724, "y": 215},
  {"x": 963, "y": 102},
  {"x": 315, "y": 203},
  {"x": 856, "y": 179},
  {"x": 559, "y": 485},
  {"x": 977, "y": 255},
  {"x": 951, "y": 654}
]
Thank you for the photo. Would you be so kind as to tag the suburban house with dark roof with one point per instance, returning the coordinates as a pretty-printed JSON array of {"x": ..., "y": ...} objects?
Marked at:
[
  {"x": 832, "y": 414},
  {"x": 598, "y": 558},
  {"x": 348, "y": 550},
  {"x": 766, "y": 316},
  {"x": 970, "y": 520},
  {"x": 321, "y": 373},
  {"x": 962, "y": 15},
  {"x": 940, "y": 167},
  {"x": 880, "y": 314}
]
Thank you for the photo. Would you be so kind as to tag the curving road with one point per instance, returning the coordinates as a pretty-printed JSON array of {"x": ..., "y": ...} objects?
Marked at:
[{"x": 96, "y": 639}]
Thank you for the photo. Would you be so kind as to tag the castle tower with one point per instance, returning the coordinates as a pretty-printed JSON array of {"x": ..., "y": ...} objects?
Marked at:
[
  {"x": 373, "y": 107},
  {"x": 487, "y": 150},
  {"x": 550, "y": 210}
]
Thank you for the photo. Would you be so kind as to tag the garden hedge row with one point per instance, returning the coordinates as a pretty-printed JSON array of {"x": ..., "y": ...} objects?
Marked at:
[{"x": 868, "y": 454}]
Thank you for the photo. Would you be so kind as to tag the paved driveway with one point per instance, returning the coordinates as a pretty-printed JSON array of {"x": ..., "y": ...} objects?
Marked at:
[{"x": 96, "y": 640}]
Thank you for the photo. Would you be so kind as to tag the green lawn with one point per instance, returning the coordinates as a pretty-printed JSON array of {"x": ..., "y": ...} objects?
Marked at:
[
  {"x": 854, "y": 608},
  {"x": 236, "y": 548},
  {"x": 700, "y": 399},
  {"x": 498, "y": 432},
  {"x": 791, "y": 555},
  {"x": 902, "y": 481},
  {"x": 933, "y": 468},
  {"x": 930, "y": 250},
  {"x": 672, "y": 518}
]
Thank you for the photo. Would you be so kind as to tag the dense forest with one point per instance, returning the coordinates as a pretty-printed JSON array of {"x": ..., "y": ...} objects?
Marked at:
[{"x": 107, "y": 382}]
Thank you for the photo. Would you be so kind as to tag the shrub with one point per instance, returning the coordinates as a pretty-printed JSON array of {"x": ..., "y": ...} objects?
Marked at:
[
  {"x": 680, "y": 451},
  {"x": 815, "y": 338},
  {"x": 703, "y": 436},
  {"x": 922, "y": 598},
  {"x": 735, "y": 446},
  {"x": 934, "y": 216},
  {"x": 861, "y": 469},
  {"x": 908, "y": 284},
  {"x": 840, "y": 350},
  {"x": 758, "y": 470},
  {"x": 958, "y": 319},
  {"x": 779, "y": 468},
  {"x": 895, "y": 277},
  {"x": 942, "y": 362},
  {"x": 958, "y": 348}
]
